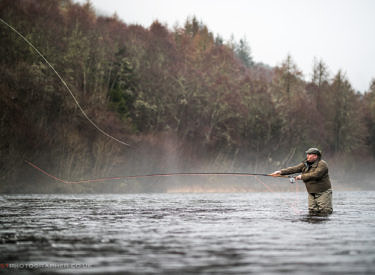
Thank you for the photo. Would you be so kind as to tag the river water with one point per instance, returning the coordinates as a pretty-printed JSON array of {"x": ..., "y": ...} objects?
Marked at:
[{"x": 213, "y": 233}]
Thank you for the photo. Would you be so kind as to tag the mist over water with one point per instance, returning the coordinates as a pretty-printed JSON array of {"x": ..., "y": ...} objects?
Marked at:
[{"x": 227, "y": 233}]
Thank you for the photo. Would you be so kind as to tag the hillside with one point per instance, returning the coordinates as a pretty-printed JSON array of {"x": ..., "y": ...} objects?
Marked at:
[{"x": 182, "y": 99}]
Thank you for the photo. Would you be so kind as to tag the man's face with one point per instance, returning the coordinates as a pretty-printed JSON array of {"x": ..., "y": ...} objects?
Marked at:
[{"x": 311, "y": 157}]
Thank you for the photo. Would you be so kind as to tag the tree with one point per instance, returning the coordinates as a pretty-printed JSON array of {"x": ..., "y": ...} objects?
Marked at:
[
  {"x": 288, "y": 77},
  {"x": 368, "y": 101},
  {"x": 151, "y": 83},
  {"x": 292, "y": 105},
  {"x": 320, "y": 73},
  {"x": 260, "y": 123},
  {"x": 346, "y": 121},
  {"x": 319, "y": 84},
  {"x": 243, "y": 52}
]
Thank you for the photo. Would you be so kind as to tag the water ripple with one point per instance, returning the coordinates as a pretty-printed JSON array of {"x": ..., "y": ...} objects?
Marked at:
[{"x": 239, "y": 233}]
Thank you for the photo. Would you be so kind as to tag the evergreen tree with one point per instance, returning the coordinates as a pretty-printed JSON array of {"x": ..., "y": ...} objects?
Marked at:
[{"x": 243, "y": 52}]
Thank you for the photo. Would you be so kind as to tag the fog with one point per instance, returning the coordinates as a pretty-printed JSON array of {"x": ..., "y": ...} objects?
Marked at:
[
  {"x": 168, "y": 156},
  {"x": 184, "y": 99}
]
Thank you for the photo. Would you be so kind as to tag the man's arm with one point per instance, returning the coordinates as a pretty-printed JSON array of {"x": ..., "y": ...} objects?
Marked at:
[
  {"x": 289, "y": 170},
  {"x": 292, "y": 170}
]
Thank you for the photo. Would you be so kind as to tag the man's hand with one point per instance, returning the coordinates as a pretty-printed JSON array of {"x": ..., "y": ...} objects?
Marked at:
[
  {"x": 276, "y": 173},
  {"x": 299, "y": 177}
]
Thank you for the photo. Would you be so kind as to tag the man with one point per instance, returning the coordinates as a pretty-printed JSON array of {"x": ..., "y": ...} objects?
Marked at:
[{"x": 315, "y": 176}]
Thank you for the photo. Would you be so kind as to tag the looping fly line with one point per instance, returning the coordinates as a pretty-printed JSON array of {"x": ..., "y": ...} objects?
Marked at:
[{"x": 64, "y": 83}]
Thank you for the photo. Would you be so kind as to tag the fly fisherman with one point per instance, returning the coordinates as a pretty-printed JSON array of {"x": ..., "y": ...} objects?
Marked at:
[{"x": 315, "y": 176}]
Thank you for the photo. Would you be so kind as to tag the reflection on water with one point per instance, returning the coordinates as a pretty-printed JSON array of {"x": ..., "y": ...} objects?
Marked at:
[
  {"x": 310, "y": 218},
  {"x": 237, "y": 233}
]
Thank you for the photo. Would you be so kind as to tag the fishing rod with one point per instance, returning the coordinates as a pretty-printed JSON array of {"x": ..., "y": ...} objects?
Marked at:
[{"x": 291, "y": 178}]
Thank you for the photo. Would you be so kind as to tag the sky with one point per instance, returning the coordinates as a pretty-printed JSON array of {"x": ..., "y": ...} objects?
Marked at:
[{"x": 339, "y": 32}]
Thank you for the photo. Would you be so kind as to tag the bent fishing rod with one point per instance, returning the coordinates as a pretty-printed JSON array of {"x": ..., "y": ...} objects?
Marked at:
[{"x": 291, "y": 178}]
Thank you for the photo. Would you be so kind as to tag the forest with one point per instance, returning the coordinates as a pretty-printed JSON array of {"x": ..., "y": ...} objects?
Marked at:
[{"x": 182, "y": 98}]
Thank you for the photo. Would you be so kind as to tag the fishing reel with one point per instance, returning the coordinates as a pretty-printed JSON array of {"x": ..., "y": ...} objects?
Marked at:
[{"x": 292, "y": 180}]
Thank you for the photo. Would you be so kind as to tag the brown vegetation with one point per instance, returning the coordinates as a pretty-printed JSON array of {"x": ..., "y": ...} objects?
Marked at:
[{"x": 182, "y": 98}]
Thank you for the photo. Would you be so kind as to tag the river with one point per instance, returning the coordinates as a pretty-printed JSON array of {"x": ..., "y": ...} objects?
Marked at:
[{"x": 212, "y": 233}]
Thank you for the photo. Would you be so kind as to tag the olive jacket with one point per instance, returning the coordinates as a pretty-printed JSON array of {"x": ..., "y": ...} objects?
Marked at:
[{"x": 315, "y": 176}]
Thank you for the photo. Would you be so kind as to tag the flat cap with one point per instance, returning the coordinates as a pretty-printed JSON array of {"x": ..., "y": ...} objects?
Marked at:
[{"x": 315, "y": 151}]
